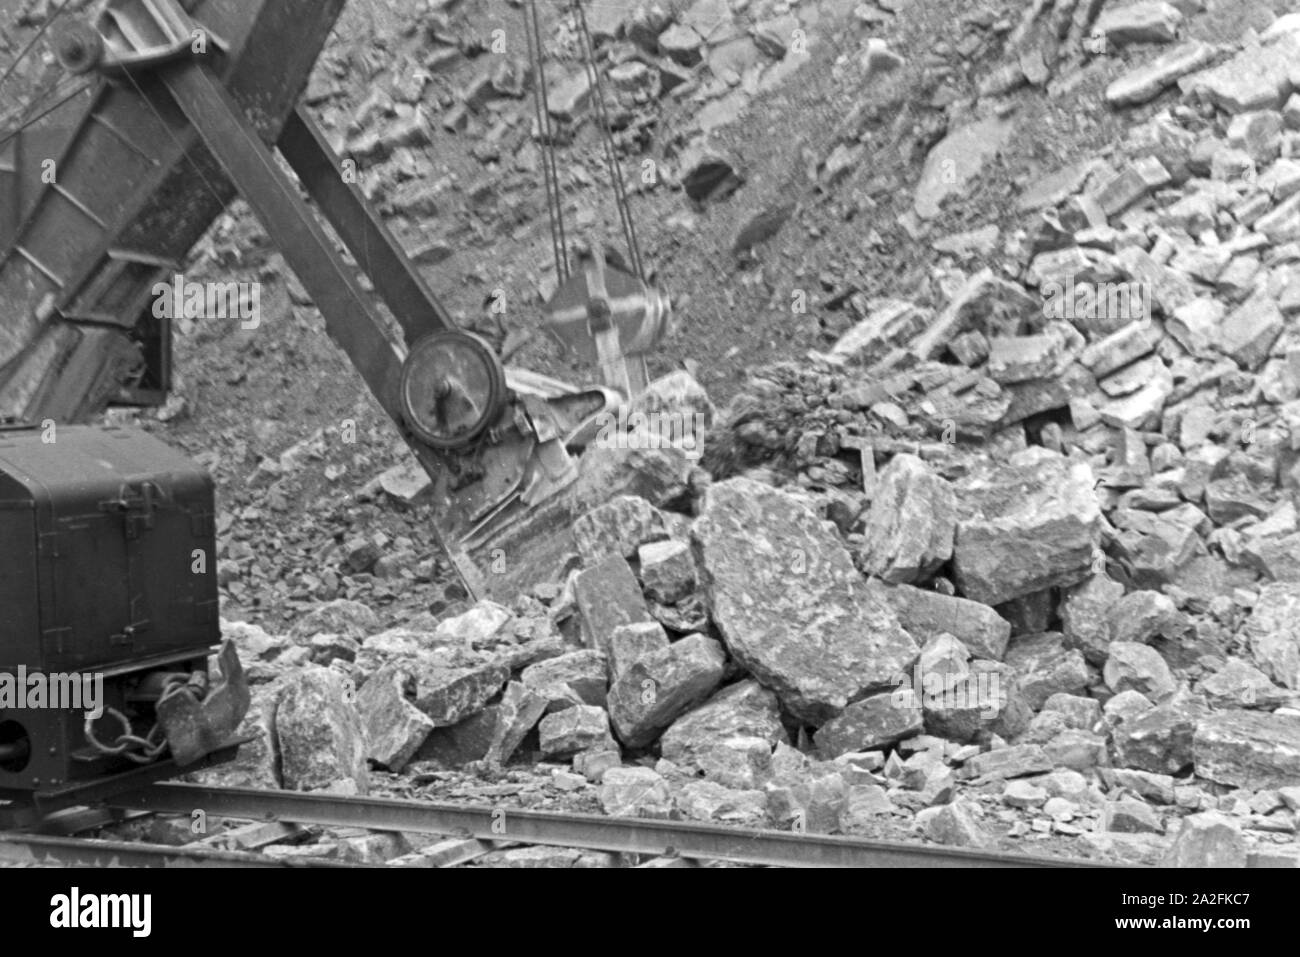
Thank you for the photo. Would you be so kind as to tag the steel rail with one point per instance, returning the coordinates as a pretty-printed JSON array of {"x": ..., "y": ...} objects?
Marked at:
[
  {"x": 48, "y": 851},
  {"x": 594, "y": 832}
]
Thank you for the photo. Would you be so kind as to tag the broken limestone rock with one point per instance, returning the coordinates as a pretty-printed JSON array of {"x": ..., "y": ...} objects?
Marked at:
[
  {"x": 1157, "y": 739},
  {"x": 619, "y": 527},
  {"x": 1209, "y": 839},
  {"x": 1024, "y": 527},
  {"x": 608, "y": 595},
  {"x": 449, "y": 695},
  {"x": 635, "y": 792},
  {"x": 876, "y": 721},
  {"x": 1132, "y": 666},
  {"x": 954, "y": 824},
  {"x": 340, "y": 617},
  {"x": 1248, "y": 749},
  {"x": 576, "y": 678},
  {"x": 655, "y": 690},
  {"x": 910, "y": 526},
  {"x": 580, "y": 728},
  {"x": 1273, "y": 631},
  {"x": 667, "y": 570},
  {"x": 394, "y": 727},
  {"x": 745, "y": 709},
  {"x": 790, "y": 604},
  {"x": 319, "y": 736},
  {"x": 520, "y": 709},
  {"x": 1085, "y": 616},
  {"x": 710, "y": 801},
  {"x": 927, "y": 614}
]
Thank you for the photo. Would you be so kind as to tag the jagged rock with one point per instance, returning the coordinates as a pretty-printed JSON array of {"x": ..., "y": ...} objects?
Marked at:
[
  {"x": 910, "y": 526},
  {"x": 814, "y": 804},
  {"x": 1159, "y": 739},
  {"x": 1257, "y": 78},
  {"x": 986, "y": 303},
  {"x": 1031, "y": 525},
  {"x": 319, "y": 737},
  {"x": 635, "y": 792},
  {"x": 619, "y": 527},
  {"x": 710, "y": 801},
  {"x": 482, "y": 622},
  {"x": 1239, "y": 684},
  {"x": 865, "y": 803},
  {"x": 1273, "y": 631},
  {"x": 1085, "y": 618},
  {"x": 520, "y": 709},
  {"x": 608, "y": 595},
  {"x": 631, "y": 643},
  {"x": 1136, "y": 180},
  {"x": 1079, "y": 712},
  {"x": 394, "y": 728},
  {"x": 744, "y": 710},
  {"x": 953, "y": 824},
  {"x": 340, "y": 617},
  {"x": 956, "y": 161},
  {"x": 1209, "y": 839},
  {"x": 1138, "y": 667},
  {"x": 654, "y": 691},
  {"x": 1153, "y": 787},
  {"x": 1023, "y": 793},
  {"x": 667, "y": 570},
  {"x": 1142, "y": 615},
  {"x": 579, "y": 677},
  {"x": 1044, "y": 667},
  {"x": 255, "y": 766},
  {"x": 988, "y": 700},
  {"x": 1016, "y": 761},
  {"x": 790, "y": 604},
  {"x": 876, "y": 721},
  {"x": 449, "y": 695},
  {"x": 927, "y": 614},
  {"x": 1146, "y": 82},
  {"x": 1248, "y": 749},
  {"x": 580, "y": 728},
  {"x": 1132, "y": 817},
  {"x": 462, "y": 743}
]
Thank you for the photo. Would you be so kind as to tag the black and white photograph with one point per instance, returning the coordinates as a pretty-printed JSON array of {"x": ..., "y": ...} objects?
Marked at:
[{"x": 716, "y": 435}]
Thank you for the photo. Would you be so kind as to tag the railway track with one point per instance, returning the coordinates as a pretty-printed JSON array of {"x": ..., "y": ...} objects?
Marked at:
[{"x": 472, "y": 831}]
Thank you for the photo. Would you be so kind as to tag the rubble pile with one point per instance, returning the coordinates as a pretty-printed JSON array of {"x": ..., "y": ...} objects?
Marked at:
[{"x": 1017, "y": 563}]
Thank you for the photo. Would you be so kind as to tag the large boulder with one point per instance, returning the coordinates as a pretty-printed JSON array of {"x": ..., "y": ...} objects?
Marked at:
[
  {"x": 654, "y": 691},
  {"x": 1273, "y": 630},
  {"x": 911, "y": 523},
  {"x": 743, "y": 710},
  {"x": 1248, "y": 749},
  {"x": 1026, "y": 526},
  {"x": 319, "y": 736},
  {"x": 790, "y": 604},
  {"x": 394, "y": 727}
]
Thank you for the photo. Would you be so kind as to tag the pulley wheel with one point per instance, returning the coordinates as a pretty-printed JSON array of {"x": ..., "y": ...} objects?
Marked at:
[
  {"x": 78, "y": 46},
  {"x": 453, "y": 388}
]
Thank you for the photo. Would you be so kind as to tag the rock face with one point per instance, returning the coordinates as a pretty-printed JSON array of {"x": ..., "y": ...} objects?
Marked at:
[
  {"x": 1246, "y": 749},
  {"x": 319, "y": 735},
  {"x": 911, "y": 523},
  {"x": 1031, "y": 525},
  {"x": 790, "y": 604},
  {"x": 654, "y": 691}
]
